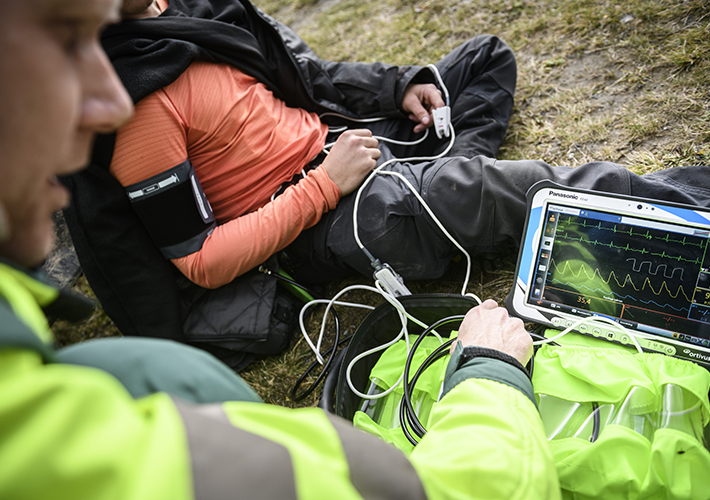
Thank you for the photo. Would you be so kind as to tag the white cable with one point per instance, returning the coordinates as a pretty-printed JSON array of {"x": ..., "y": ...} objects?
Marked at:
[
  {"x": 343, "y": 128},
  {"x": 334, "y": 301},
  {"x": 439, "y": 225},
  {"x": 402, "y": 313},
  {"x": 327, "y": 310},
  {"x": 358, "y": 120},
  {"x": 348, "y": 376},
  {"x": 327, "y": 147},
  {"x": 404, "y": 332},
  {"x": 335, "y": 130},
  {"x": 316, "y": 348},
  {"x": 302, "y": 325},
  {"x": 596, "y": 319},
  {"x": 681, "y": 412},
  {"x": 398, "y": 305},
  {"x": 379, "y": 171},
  {"x": 435, "y": 70}
]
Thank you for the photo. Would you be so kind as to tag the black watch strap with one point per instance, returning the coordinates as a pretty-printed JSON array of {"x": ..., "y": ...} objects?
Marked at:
[{"x": 471, "y": 352}]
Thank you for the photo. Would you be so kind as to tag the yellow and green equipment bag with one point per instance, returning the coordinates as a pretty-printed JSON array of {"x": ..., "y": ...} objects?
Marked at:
[{"x": 620, "y": 424}]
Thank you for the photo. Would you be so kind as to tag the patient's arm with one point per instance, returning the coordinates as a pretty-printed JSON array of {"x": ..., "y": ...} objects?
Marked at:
[
  {"x": 169, "y": 128},
  {"x": 243, "y": 243}
]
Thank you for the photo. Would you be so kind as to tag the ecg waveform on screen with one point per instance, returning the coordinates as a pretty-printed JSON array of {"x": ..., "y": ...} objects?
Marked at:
[
  {"x": 626, "y": 247},
  {"x": 596, "y": 292},
  {"x": 641, "y": 270},
  {"x": 623, "y": 268},
  {"x": 561, "y": 271},
  {"x": 639, "y": 233}
]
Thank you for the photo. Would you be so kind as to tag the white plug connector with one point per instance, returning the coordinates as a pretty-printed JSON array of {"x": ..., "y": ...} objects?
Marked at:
[
  {"x": 442, "y": 121},
  {"x": 391, "y": 281}
]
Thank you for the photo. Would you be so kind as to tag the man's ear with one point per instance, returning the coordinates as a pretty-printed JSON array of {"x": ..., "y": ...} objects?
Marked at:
[{"x": 4, "y": 225}]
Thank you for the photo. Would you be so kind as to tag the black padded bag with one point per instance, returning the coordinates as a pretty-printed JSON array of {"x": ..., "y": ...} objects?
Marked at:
[{"x": 379, "y": 327}]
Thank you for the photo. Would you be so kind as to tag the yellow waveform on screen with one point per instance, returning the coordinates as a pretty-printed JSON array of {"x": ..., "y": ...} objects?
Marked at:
[{"x": 566, "y": 269}]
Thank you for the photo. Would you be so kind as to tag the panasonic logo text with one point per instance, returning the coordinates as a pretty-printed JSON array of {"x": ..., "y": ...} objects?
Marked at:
[{"x": 564, "y": 195}]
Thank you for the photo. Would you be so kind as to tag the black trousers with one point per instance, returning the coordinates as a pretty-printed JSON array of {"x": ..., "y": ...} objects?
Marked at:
[
  {"x": 480, "y": 77},
  {"x": 479, "y": 200}
]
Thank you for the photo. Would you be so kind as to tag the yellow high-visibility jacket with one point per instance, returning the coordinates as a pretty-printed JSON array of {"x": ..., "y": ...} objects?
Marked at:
[{"x": 74, "y": 432}]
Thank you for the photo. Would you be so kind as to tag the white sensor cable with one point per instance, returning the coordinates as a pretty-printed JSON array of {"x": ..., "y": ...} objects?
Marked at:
[
  {"x": 380, "y": 287},
  {"x": 594, "y": 320}
]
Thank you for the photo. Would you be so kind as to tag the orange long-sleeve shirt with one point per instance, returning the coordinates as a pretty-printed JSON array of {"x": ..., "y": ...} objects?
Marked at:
[{"x": 243, "y": 143}]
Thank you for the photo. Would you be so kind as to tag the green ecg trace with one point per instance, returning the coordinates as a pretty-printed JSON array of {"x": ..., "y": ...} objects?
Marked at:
[
  {"x": 626, "y": 247},
  {"x": 630, "y": 232}
]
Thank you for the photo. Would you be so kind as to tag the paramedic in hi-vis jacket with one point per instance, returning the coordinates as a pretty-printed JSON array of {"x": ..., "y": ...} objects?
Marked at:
[{"x": 184, "y": 426}]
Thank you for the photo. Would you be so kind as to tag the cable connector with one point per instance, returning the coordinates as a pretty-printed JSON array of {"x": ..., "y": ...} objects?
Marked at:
[
  {"x": 442, "y": 121},
  {"x": 391, "y": 281}
]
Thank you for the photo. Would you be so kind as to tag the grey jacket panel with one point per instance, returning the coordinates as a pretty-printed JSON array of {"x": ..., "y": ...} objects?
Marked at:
[
  {"x": 377, "y": 469},
  {"x": 228, "y": 462}
]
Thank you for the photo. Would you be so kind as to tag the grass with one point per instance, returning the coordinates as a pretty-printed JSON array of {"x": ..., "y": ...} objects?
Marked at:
[
  {"x": 97, "y": 326},
  {"x": 626, "y": 81}
]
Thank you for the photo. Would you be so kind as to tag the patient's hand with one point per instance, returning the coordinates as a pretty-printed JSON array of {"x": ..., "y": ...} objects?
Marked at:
[
  {"x": 419, "y": 101},
  {"x": 490, "y": 326},
  {"x": 353, "y": 156}
]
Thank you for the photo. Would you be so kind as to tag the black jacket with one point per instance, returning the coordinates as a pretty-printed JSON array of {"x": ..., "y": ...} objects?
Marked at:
[
  {"x": 149, "y": 54},
  {"x": 136, "y": 286}
]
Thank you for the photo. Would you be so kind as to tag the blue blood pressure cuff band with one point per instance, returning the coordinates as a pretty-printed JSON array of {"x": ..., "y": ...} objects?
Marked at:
[{"x": 174, "y": 209}]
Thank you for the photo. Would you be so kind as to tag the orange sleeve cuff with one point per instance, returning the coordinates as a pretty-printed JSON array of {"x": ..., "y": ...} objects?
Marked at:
[
  {"x": 330, "y": 190},
  {"x": 241, "y": 244}
]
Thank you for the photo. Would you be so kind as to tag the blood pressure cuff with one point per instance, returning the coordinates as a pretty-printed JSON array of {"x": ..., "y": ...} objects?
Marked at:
[{"x": 174, "y": 209}]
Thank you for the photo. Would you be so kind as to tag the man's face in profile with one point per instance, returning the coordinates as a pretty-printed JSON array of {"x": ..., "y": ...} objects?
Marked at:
[{"x": 57, "y": 90}]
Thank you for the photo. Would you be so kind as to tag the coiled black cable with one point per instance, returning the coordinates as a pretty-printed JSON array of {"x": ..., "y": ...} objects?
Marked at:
[
  {"x": 326, "y": 366},
  {"x": 596, "y": 423},
  {"x": 407, "y": 416},
  {"x": 330, "y": 353}
]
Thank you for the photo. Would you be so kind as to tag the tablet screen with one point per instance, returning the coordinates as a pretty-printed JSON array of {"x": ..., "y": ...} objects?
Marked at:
[
  {"x": 653, "y": 276},
  {"x": 643, "y": 264}
]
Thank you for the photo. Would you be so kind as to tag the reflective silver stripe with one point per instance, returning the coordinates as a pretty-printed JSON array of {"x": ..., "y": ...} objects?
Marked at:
[
  {"x": 377, "y": 470},
  {"x": 228, "y": 462},
  {"x": 198, "y": 196},
  {"x": 173, "y": 179}
]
